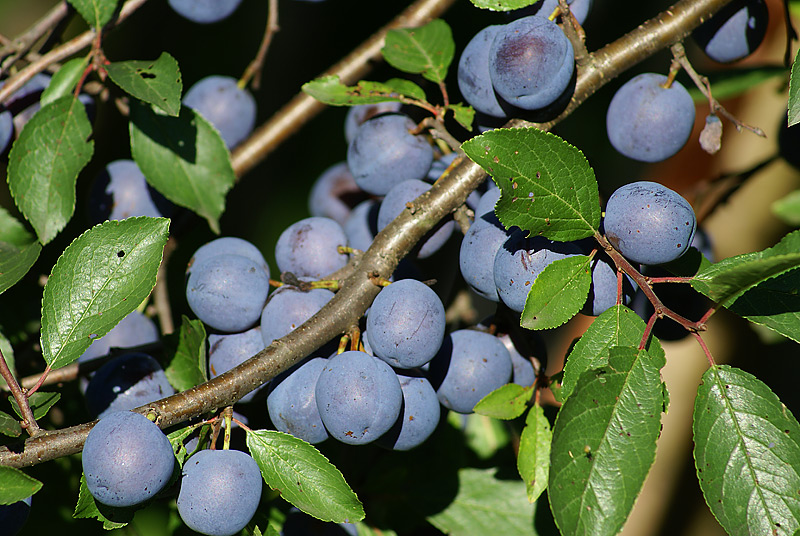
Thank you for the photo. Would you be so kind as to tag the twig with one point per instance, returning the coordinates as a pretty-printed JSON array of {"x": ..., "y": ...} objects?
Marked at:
[
  {"x": 705, "y": 349},
  {"x": 39, "y": 382},
  {"x": 20, "y": 46},
  {"x": 254, "y": 69},
  {"x": 702, "y": 83},
  {"x": 660, "y": 309},
  {"x": 574, "y": 32},
  {"x": 28, "y": 422},
  {"x": 302, "y": 107},
  {"x": 71, "y": 47},
  {"x": 439, "y": 132},
  {"x": 389, "y": 246}
]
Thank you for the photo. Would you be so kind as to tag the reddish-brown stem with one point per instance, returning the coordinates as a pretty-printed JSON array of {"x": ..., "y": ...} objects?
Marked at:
[
  {"x": 648, "y": 329},
  {"x": 711, "y": 310},
  {"x": 620, "y": 277},
  {"x": 445, "y": 96},
  {"x": 706, "y": 351},
  {"x": 669, "y": 279},
  {"x": 28, "y": 422},
  {"x": 39, "y": 383},
  {"x": 254, "y": 69},
  {"x": 660, "y": 309}
]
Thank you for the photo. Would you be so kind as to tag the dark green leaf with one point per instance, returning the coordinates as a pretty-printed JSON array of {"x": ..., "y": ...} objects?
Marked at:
[
  {"x": 44, "y": 164},
  {"x": 156, "y": 82},
  {"x": 18, "y": 250},
  {"x": 88, "y": 508},
  {"x": 427, "y": 50},
  {"x": 774, "y": 303},
  {"x": 788, "y": 208},
  {"x": 95, "y": 12},
  {"x": 465, "y": 115},
  {"x": 747, "y": 454},
  {"x": 16, "y": 485},
  {"x": 502, "y": 5},
  {"x": 9, "y": 425},
  {"x": 794, "y": 92},
  {"x": 188, "y": 366},
  {"x": 617, "y": 326},
  {"x": 730, "y": 83},
  {"x": 63, "y": 82},
  {"x": 533, "y": 459},
  {"x": 39, "y": 402},
  {"x": 486, "y": 504},
  {"x": 728, "y": 279},
  {"x": 100, "y": 278},
  {"x": 303, "y": 476},
  {"x": 330, "y": 90},
  {"x": 558, "y": 293},
  {"x": 548, "y": 187},
  {"x": 608, "y": 426},
  {"x": 506, "y": 402},
  {"x": 184, "y": 158}
]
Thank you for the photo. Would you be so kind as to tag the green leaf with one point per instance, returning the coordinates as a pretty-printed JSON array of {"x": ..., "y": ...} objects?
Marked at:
[
  {"x": 428, "y": 50},
  {"x": 506, "y": 402},
  {"x": 88, "y": 508},
  {"x": 95, "y": 12},
  {"x": 747, "y": 452},
  {"x": 788, "y": 208},
  {"x": 9, "y": 426},
  {"x": 548, "y": 187},
  {"x": 502, "y": 5},
  {"x": 44, "y": 164},
  {"x": 616, "y": 326},
  {"x": 728, "y": 279},
  {"x": 64, "y": 80},
  {"x": 774, "y": 303},
  {"x": 39, "y": 402},
  {"x": 404, "y": 87},
  {"x": 558, "y": 293},
  {"x": 184, "y": 158},
  {"x": 331, "y": 91},
  {"x": 486, "y": 504},
  {"x": 794, "y": 99},
  {"x": 362, "y": 529},
  {"x": 533, "y": 459},
  {"x": 16, "y": 485},
  {"x": 303, "y": 476},
  {"x": 156, "y": 82},
  {"x": 19, "y": 249},
  {"x": 188, "y": 366},
  {"x": 463, "y": 114},
  {"x": 176, "y": 439},
  {"x": 730, "y": 83},
  {"x": 604, "y": 442},
  {"x": 483, "y": 435},
  {"x": 100, "y": 278}
]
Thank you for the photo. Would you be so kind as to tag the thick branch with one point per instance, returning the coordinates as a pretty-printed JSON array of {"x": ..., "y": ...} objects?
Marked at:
[{"x": 391, "y": 244}]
